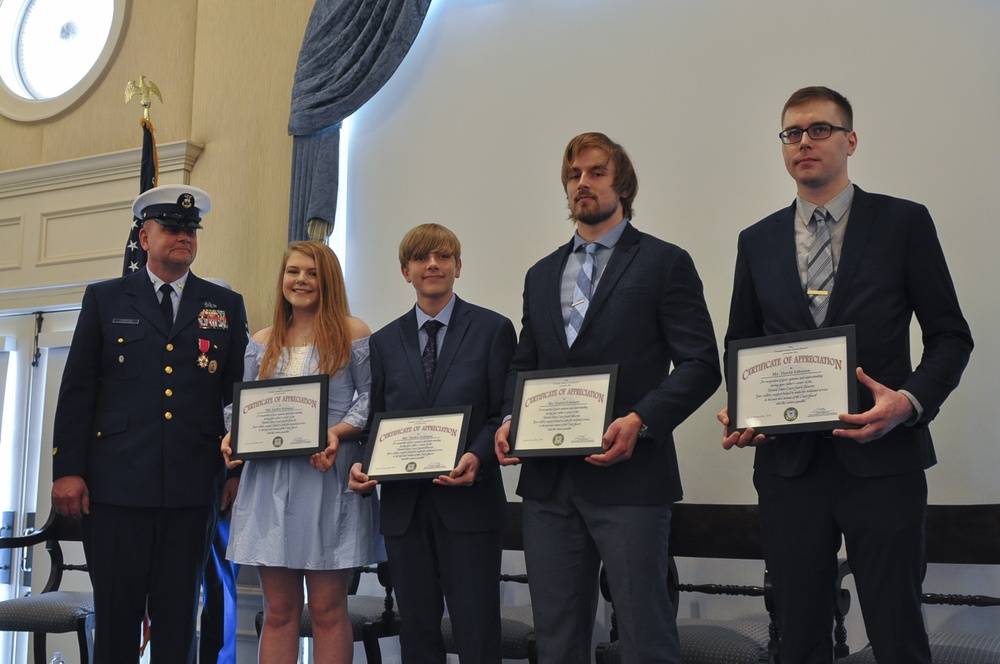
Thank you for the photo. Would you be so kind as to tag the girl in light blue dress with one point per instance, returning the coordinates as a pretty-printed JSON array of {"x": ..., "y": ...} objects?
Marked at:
[{"x": 294, "y": 517}]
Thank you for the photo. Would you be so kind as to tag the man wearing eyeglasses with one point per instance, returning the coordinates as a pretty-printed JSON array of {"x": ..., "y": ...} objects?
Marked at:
[{"x": 841, "y": 256}]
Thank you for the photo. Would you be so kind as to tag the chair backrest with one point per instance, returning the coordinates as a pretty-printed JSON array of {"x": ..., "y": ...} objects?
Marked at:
[
  {"x": 715, "y": 531},
  {"x": 57, "y": 529},
  {"x": 512, "y": 538},
  {"x": 963, "y": 535}
]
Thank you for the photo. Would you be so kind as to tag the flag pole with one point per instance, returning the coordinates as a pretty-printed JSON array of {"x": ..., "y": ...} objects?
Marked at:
[{"x": 149, "y": 167}]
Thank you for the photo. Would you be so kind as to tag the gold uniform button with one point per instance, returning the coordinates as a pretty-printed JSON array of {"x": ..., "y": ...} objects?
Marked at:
[
  {"x": 99, "y": 434},
  {"x": 169, "y": 392},
  {"x": 120, "y": 340},
  {"x": 170, "y": 347},
  {"x": 168, "y": 370},
  {"x": 168, "y": 415}
]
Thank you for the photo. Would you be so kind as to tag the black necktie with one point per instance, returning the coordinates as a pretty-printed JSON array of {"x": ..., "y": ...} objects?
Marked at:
[
  {"x": 429, "y": 357},
  {"x": 167, "y": 305}
]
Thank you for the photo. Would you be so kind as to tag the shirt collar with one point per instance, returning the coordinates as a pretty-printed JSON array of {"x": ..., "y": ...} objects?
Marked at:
[
  {"x": 836, "y": 206},
  {"x": 609, "y": 239},
  {"x": 178, "y": 285},
  {"x": 444, "y": 316}
]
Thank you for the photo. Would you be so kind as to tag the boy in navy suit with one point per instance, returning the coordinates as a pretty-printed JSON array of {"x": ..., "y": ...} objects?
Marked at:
[{"x": 442, "y": 536}]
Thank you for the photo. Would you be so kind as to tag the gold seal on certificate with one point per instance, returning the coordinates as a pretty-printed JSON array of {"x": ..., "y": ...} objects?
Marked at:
[
  {"x": 416, "y": 444},
  {"x": 793, "y": 382},
  {"x": 561, "y": 412},
  {"x": 279, "y": 417}
]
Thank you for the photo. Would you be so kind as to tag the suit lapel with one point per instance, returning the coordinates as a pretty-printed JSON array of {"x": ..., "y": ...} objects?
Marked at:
[
  {"x": 859, "y": 227},
  {"x": 454, "y": 333},
  {"x": 552, "y": 288},
  {"x": 787, "y": 264},
  {"x": 621, "y": 257},
  {"x": 140, "y": 289},
  {"x": 410, "y": 343},
  {"x": 191, "y": 303}
]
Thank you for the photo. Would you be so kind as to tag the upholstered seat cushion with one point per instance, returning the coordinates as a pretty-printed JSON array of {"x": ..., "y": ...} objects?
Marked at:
[
  {"x": 947, "y": 648},
  {"x": 517, "y": 632},
  {"x": 713, "y": 642},
  {"x": 54, "y": 612},
  {"x": 722, "y": 641}
]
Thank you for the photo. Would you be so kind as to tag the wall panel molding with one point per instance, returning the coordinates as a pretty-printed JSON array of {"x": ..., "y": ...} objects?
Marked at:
[{"x": 64, "y": 224}]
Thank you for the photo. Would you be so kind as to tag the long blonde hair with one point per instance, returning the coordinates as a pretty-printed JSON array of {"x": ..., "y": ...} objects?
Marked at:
[{"x": 332, "y": 329}]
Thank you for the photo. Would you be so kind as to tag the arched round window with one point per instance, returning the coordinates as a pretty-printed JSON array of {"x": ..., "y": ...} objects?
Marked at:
[{"x": 55, "y": 51}]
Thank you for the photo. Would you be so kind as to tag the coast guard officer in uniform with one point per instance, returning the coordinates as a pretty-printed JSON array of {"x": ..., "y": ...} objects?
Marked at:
[{"x": 137, "y": 430}]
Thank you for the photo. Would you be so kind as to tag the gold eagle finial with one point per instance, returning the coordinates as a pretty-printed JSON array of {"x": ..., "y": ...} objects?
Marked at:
[{"x": 144, "y": 87}]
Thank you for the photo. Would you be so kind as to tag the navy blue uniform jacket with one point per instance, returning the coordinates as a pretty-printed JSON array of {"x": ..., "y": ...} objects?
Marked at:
[{"x": 137, "y": 417}]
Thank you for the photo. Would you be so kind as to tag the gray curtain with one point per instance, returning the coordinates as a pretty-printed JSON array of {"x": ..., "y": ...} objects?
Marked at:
[{"x": 350, "y": 49}]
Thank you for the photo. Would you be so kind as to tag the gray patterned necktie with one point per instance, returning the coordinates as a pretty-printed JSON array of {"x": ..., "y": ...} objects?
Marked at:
[
  {"x": 581, "y": 293},
  {"x": 819, "y": 274}
]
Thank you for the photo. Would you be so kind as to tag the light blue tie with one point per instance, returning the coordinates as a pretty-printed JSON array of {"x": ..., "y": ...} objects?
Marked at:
[
  {"x": 581, "y": 293},
  {"x": 819, "y": 273}
]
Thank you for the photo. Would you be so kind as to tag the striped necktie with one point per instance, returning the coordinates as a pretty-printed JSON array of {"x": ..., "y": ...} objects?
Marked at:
[
  {"x": 581, "y": 293},
  {"x": 819, "y": 274}
]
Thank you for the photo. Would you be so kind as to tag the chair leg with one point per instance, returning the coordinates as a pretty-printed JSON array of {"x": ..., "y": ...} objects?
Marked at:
[
  {"x": 373, "y": 651},
  {"x": 85, "y": 637},
  {"x": 40, "y": 651}
]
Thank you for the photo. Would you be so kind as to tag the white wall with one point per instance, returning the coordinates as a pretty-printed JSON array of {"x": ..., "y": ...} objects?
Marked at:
[{"x": 470, "y": 132}]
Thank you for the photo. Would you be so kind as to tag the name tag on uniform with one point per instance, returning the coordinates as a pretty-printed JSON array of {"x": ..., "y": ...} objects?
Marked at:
[{"x": 125, "y": 321}]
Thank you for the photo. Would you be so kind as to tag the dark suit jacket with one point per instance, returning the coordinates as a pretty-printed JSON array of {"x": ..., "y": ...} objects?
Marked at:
[
  {"x": 647, "y": 314},
  {"x": 471, "y": 370},
  {"x": 137, "y": 417},
  {"x": 891, "y": 267}
]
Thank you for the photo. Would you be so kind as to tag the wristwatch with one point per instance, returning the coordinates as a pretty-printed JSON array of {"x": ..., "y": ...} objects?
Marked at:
[{"x": 643, "y": 429}]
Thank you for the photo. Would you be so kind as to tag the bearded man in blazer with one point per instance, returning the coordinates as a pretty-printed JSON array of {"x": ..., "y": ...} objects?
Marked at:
[
  {"x": 137, "y": 429},
  {"x": 647, "y": 314},
  {"x": 443, "y": 535},
  {"x": 865, "y": 484}
]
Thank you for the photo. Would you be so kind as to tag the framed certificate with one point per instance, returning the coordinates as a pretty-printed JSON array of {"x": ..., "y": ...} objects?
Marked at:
[
  {"x": 560, "y": 412},
  {"x": 416, "y": 444},
  {"x": 279, "y": 417},
  {"x": 793, "y": 382}
]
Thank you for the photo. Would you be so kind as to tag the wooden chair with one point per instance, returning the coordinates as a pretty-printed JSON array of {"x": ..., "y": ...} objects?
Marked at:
[
  {"x": 517, "y": 627},
  {"x": 727, "y": 532},
  {"x": 52, "y": 611},
  {"x": 372, "y": 617},
  {"x": 956, "y": 535}
]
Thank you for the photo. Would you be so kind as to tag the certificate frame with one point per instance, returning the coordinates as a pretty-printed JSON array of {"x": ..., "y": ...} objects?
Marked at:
[
  {"x": 416, "y": 444},
  {"x": 791, "y": 383},
  {"x": 563, "y": 426},
  {"x": 279, "y": 417}
]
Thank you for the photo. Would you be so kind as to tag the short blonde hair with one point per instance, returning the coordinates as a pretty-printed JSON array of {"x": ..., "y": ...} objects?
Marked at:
[{"x": 426, "y": 238}]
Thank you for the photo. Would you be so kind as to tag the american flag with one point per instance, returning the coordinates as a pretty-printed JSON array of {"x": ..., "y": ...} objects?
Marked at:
[{"x": 135, "y": 255}]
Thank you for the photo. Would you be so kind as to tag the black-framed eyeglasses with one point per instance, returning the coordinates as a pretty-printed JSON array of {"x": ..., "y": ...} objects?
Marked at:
[{"x": 817, "y": 132}]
